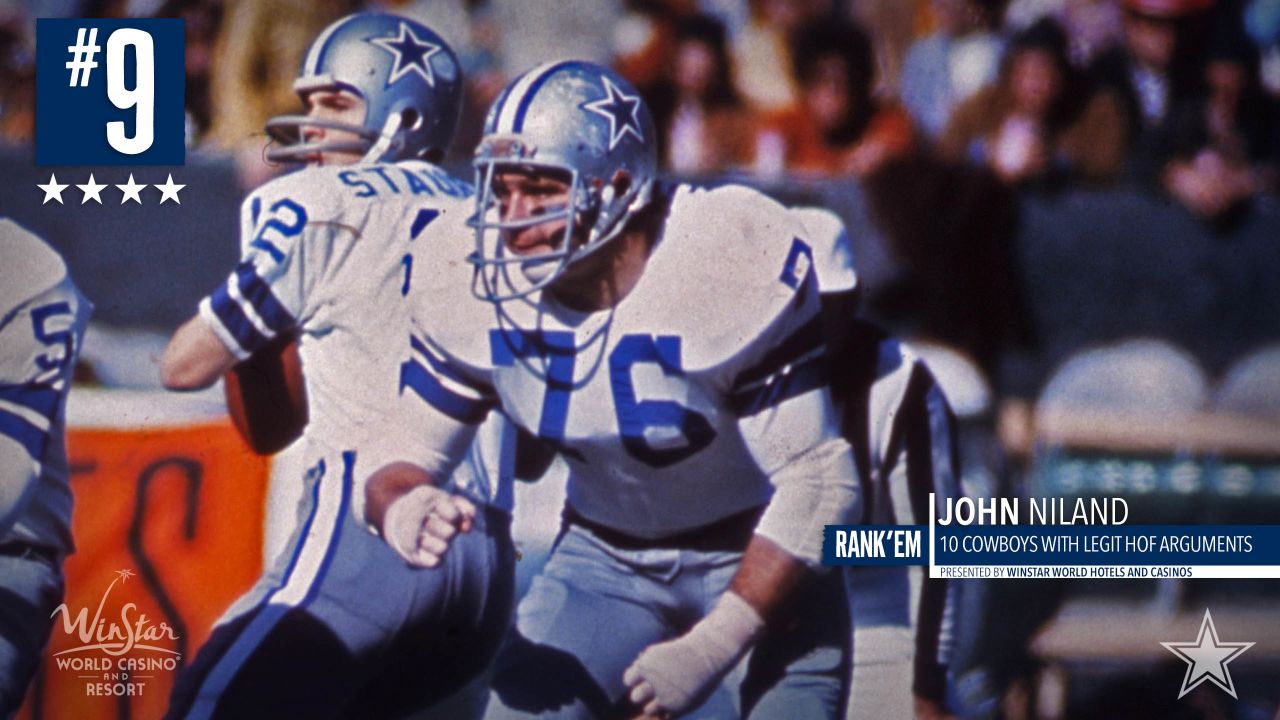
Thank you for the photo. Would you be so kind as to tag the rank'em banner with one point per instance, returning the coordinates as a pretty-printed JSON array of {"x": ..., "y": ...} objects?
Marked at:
[{"x": 1056, "y": 538}]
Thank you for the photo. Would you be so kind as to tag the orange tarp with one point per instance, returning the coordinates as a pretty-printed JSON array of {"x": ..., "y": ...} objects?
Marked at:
[{"x": 168, "y": 531}]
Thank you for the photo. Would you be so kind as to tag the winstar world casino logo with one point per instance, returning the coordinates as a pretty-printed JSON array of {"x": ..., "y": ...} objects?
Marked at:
[{"x": 107, "y": 657}]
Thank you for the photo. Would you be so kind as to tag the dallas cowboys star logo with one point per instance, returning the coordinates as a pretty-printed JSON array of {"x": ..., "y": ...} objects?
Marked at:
[
  {"x": 412, "y": 54},
  {"x": 621, "y": 110},
  {"x": 1207, "y": 658}
]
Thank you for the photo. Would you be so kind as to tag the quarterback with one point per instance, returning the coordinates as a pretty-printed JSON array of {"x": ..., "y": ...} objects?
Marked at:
[
  {"x": 343, "y": 624},
  {"x": 667, "y": 342},
  {"x": 42, "y": 322}
]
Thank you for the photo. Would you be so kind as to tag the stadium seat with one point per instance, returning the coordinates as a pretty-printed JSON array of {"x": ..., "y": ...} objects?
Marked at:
[
  {"x": 1141, "y": 375},
  {"x": 1251, "y": 386}
]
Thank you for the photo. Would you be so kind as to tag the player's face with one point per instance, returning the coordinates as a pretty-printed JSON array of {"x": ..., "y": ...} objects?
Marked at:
[
  {"x": 525, "y": 194},
  {"x": 339, "y": 106}
]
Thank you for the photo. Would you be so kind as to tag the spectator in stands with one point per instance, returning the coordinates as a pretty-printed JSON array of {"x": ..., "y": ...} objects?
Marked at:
[
  {"x": 895, "y": 25},
  {"x": 1155, "y": 70},
  {"x": 948, "y": 66},
  {"x": 1262, "y": 22},
  {"x": 201, "y": 20},
  {"x": 17, "y": 77},
  {"x": 839, "y": 127},
  {"x": 532, "y": 32},
  {"x": 1092, "y": 26},
  {"x": 1222, "y": 146},
  {"x": 1027, "y": 128},
  {"x": 644, "y": 41},
  {"x": 255, "y": 61},
  {"x": 702, "y": 122},
  {"x": 761, "y": 52}
]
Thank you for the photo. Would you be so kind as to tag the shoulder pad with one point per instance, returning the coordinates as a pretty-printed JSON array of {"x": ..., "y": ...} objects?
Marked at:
[
  {"x": 832, "y": 253},
  {"x": 732, "y": 261},
  {"x": 29, "y": 265}
]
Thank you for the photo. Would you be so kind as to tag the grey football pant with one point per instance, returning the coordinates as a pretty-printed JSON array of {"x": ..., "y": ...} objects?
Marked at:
[
  {"x": 31, "y": 586},
  {"x": 595, "y": 606},
  {"x": 341, "y": 626}
]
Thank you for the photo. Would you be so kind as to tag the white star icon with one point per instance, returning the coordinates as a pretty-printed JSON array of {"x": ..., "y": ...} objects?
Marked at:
[
  {"x": 92, "y": 191},
  {"x": 169, "y": 190},
  {"x": 1207, "y": 658},
  {"x": 131, "y": 191},
  {"x": 53, "y": 190}
]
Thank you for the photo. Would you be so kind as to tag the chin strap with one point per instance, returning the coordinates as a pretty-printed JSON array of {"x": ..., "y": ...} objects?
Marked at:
[{"x": 385, "y": 138}]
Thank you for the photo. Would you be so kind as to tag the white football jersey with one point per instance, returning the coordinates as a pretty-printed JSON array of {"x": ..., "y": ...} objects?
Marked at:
[
  {"x": 832, "y": 251},
  {"x": 674, "y": 409},
  {"x": 332, "y": 253},
  {"x": 42, "y": 322}
]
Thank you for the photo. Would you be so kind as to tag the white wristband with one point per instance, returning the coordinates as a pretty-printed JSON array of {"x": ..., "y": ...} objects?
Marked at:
[{"x": 732, "y": 624}]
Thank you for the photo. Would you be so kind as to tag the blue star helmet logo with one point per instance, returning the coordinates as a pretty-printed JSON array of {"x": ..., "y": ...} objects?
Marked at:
[
  {"x": 411, "y": 53},
  {"x": 621, "y": 110}
]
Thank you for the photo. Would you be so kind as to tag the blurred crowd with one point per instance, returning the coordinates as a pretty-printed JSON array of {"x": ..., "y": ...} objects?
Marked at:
[
  {"x": 946, "y": 114},
  {"x": 1181, "y": 93}
]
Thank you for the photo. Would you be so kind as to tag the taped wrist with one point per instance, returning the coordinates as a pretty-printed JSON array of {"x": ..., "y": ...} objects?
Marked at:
[
  {"x": 403, "y": 520},
  {"x": 729, "y": 629}
]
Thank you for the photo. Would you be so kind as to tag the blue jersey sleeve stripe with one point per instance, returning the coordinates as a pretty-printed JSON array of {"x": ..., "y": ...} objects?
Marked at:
[
  {"x": 42, "y": 399},
  {"x": 416, "y": 377},
  {"x": 803, "y": 341},
  {"x": 441, "y": 366},
  {"x": 796, "y": 381},
  {"x": 256, "y": 291},
  {"x": 232, "y": 317},
  {"x": 20, "y": 430}
]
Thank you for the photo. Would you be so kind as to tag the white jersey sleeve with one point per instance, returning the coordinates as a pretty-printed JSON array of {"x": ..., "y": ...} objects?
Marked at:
[
  {"x": 832, "y": 252},
  {"x": 43, "y": 323},
  {"x": 295, "y": 232},
  {"x": 443, "y": 420},
  {"x": 778, "y": 377}
]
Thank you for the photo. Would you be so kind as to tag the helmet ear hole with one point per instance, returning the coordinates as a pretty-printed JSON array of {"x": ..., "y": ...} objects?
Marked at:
[
  {"x": 410, "y": 119},
  {"x": 621, "y": 183}
]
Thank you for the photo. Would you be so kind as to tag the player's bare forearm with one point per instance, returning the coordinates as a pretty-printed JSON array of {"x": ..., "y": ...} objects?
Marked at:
[
  {"x": 195, "y": 357},
  {"x": 388, "y": 484},
  {"x": 767, "y": 576}
]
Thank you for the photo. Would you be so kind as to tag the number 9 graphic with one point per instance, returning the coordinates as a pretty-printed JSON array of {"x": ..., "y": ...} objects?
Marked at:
[{"x": 142, "y": 96}]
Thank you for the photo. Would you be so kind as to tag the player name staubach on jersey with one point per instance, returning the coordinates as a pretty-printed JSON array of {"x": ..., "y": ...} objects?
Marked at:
[{"x": 329, "y": 253}]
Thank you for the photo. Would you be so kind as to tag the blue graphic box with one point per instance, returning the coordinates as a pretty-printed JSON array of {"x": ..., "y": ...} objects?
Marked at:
[{"x": 71, "y": 120}]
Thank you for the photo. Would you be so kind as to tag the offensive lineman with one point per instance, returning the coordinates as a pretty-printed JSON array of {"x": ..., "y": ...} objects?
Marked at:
[
  {"x": 668, "y": 343},
  {"x": 342, "y": 624},
  {"x": 42, "y": 325}
]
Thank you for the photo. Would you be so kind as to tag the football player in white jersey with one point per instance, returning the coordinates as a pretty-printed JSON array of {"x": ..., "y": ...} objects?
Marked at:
[
  {"x": 42, "y": 321},
  {"x": 903, "y": 434},
  {"x": 667, "y": 341},
  {"x": 342, "y": 625}
]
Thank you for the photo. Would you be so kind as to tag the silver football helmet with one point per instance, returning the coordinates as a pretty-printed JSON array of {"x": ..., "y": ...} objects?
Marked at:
[
  {"x": 407, "y": 75},
  {"x": 584, "y": 123}
]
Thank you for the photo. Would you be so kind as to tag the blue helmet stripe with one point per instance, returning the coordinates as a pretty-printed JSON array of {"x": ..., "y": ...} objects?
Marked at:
[
  {"x": 311, "y": 66},
  {"x": 518, "y": 124},
  {"x": 496, "y": 113}
]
